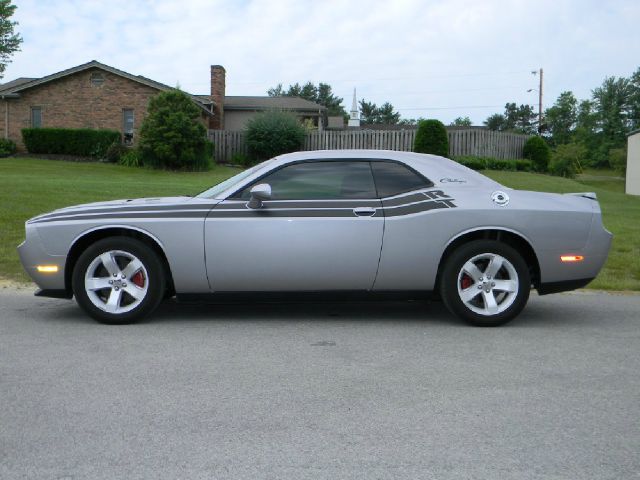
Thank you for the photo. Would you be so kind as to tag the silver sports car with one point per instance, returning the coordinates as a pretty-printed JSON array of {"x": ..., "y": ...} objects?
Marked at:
[{"x": 357, "y": 221}]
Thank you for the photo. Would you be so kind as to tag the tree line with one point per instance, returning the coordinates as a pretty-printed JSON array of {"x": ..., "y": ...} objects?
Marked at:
[
  {"x": 370, "y": 112},
  {"x": 598, "y": 125}
]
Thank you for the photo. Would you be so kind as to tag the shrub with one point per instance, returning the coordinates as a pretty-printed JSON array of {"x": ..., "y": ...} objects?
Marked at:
[
  {"x": 618, "y": 160},
  {"x": 273, "y": 133},
  {"x": 523, "y": 165},
  {"x": 84, "y": 142},
  {"x": 474, "y": 163},
  {"x": 7, "y": 147},
  {"x": 500, "y": 164},
  {"x": 567, "y": 160},
  {"x": 431, "y": 137},
  {"x": 131, "y": 158},
  {"x": 241, "y": 160},
  {"x": 115, "y": 152},
  {"x": 172, "y": 135},
  {"x": 537, "y": 150},
  {"x": 490, "y": 163}
]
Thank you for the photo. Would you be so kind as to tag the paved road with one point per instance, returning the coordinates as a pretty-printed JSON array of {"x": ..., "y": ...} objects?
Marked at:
[{"x": 321, "y": 391}]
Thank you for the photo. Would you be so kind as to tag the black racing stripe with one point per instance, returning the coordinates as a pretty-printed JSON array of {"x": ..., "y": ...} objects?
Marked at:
[
  {"x": 393, "y": 202},
  {"x": 119, "y": 215},
  {"x": 417, "y": 208},
  {"x": 132, "y": 208},
  {"x": 312, "y": 204},
  {"x": 282, "y": 213},
  {"x": 129, "y": 208},
  {"x": 273, "y": 210}
]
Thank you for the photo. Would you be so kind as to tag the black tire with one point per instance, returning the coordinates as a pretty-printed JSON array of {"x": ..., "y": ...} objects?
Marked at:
[
  {"x": 134, "y": 292},
  {"x": 469, "y": 295}
]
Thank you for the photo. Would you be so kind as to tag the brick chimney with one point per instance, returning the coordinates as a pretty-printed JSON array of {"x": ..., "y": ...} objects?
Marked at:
[{"x": 218, "y": 75}]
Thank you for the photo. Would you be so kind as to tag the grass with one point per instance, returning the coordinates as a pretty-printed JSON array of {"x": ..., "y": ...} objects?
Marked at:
[
  {"x": 29, "y": 187},
  {"x": 620, "y": 213}
]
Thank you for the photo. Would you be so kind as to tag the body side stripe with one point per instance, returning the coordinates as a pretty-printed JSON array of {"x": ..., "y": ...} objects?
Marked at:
[{"x": 126, "y": 209}]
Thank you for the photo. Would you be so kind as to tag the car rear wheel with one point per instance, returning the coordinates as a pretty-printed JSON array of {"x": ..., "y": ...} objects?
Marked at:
[
  {"x": 118, "y": 280},
  {"x": 485, "y": 282}
]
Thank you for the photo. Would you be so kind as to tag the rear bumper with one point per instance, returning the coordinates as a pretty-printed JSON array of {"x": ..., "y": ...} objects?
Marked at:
[
  {"x": 564, "y": 286},
  {"x": 595, "y": 252}
]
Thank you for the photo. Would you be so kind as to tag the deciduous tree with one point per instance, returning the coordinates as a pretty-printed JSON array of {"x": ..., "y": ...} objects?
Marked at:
[
  {"x": 9, "y": 40},
  {"x": 461, "y": 122},
  {"x": 321, "y": 94},
  {"x": 561, "y": 118}
]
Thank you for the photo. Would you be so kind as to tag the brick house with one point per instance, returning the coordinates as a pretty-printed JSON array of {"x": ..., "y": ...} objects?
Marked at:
[
  {"x": 92, "y": 95},
  {"x": 95, "y": 95}
]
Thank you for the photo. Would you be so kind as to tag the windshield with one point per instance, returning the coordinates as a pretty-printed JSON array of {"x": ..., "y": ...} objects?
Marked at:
[{"x": 216, "y": 190}]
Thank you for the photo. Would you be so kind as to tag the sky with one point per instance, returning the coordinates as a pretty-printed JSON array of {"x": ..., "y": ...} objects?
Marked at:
[{"x": 432, "y": 59}]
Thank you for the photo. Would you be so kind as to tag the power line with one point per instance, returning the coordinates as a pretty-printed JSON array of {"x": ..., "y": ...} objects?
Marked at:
[
  {"x": 452, "y": 108},
  {"x": 385, "y": 79}
]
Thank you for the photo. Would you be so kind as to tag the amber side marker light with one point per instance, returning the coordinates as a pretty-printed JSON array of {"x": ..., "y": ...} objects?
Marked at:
[
  {"x": 47, "y": 268},
  {"x": 571, "y": 258}
]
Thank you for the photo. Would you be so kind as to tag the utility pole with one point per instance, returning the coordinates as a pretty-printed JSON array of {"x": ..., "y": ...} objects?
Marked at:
[
  {"x": 540, "y": 102},
  {"x": 541, "y": 73}
]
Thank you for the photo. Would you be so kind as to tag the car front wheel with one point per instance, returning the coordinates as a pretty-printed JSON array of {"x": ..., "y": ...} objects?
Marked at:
[
  {"x": 118, "y": 280},
  {"x": 485, "y": 282}
]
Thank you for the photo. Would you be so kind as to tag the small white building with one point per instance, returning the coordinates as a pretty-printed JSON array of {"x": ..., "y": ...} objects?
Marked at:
[{"x": 633, "y": 163}]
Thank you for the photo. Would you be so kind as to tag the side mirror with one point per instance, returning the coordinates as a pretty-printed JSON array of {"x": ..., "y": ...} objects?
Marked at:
[{"x": 259, "y": 194}]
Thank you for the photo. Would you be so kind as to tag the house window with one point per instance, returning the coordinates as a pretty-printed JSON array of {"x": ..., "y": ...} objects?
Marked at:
[
  {"x": 36, "y": 117},
  {"x": 127, "y": 125}
]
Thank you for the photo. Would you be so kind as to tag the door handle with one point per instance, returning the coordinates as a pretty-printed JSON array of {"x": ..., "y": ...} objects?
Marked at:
[{"x": 364, "y": 211}]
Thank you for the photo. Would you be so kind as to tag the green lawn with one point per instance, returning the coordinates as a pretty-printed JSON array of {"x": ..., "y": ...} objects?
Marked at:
[
  {"x": 30, "y": 186},
  {"x": 620, "y": 212}
]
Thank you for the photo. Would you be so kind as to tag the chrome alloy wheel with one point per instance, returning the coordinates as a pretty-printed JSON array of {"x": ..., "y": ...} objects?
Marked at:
[
  {"x": 488, "y": 284},
  {"x": 116, "y": 281}
]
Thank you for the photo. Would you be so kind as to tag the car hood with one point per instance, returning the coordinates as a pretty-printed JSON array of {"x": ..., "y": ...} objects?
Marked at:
[{"x": 116, "y": 205}]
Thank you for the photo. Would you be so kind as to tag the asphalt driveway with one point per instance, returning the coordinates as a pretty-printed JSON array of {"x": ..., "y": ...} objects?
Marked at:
[{"x": 321, "y": 391}]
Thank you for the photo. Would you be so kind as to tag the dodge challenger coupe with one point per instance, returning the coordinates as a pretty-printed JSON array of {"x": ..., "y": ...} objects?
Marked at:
[{"x": 356, "y": 221}]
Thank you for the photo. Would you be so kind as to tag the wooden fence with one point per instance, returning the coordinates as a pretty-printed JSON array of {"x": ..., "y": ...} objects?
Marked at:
[{"x": 475, "y": 142}]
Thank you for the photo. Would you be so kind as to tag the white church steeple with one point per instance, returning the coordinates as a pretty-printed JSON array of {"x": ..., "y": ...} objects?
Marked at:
[{"x": 354, "y": 115}]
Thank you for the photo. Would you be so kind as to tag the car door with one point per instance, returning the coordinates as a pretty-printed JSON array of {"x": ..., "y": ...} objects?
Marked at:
[{"x": 321, "y": 231}]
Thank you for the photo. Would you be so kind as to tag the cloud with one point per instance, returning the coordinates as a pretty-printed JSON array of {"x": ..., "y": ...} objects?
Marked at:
[{"x": 425, "y": 57}]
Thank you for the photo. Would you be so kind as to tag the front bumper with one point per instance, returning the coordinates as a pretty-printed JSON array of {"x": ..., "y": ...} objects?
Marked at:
[{"x": 32, "y": 253}]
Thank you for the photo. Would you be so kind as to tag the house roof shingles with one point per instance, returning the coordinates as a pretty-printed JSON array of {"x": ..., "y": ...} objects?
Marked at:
[{"x": 9, "y": 86}]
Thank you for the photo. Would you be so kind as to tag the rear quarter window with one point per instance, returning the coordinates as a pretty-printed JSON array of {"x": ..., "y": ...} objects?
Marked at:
[{"x": 394, "y": 178}]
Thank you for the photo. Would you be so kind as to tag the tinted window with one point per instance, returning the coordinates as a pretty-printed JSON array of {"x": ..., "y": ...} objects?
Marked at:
[
  {"x": 319, "y": 181},
  {"x": 394, "y": 178}
]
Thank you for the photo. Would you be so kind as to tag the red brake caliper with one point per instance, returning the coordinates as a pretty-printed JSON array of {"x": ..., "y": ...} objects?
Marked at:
[
  {"x": 138, "y": 279},
  {"x": 466, "y": 282}
]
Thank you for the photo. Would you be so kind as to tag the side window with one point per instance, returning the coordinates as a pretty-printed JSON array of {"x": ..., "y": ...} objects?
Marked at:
[
  {"x": 36, "y": 117},
  {"x": 127, "y": 125},
  {"x": 393, "y": 178},
  {"x": 328, "y": 180}
]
